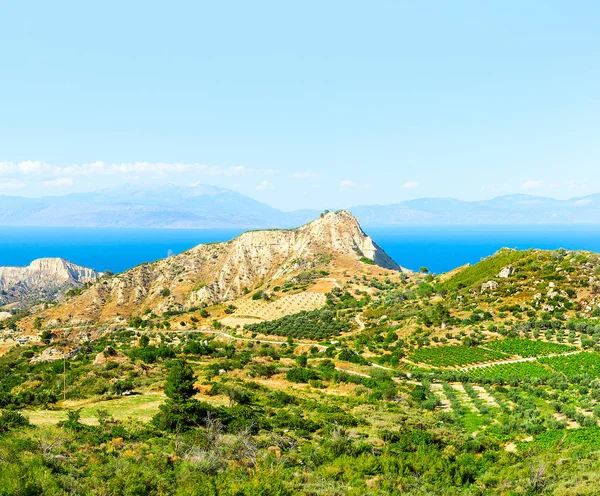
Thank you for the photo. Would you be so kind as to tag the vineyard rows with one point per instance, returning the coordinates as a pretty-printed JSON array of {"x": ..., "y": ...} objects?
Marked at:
[
  {"x": 528, "y": 348},
  {"x": 575, "y": 365},
  {"x": 495, "y": 351},
  {"x": 511, "y": 371},
  {"x": 450, "y": 356}
]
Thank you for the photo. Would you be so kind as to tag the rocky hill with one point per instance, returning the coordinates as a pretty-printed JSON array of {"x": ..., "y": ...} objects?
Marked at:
[
  {"x": 44, "y": 278},
  {"x": 222, "y": 272}
]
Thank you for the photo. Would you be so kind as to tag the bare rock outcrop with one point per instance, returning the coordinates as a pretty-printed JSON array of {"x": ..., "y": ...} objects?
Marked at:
[
  {"x": 219, "y": 272},
  {"x": 489, "y": 286},
  {"x": 42, "y": 278}
]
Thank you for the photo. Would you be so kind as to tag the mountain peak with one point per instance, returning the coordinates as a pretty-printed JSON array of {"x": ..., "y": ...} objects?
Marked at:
[
  {"x": 318, "y": 253},
  {"x": 342, "y": 232}
]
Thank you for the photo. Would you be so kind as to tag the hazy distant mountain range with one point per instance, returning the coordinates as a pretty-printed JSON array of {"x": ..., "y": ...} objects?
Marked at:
[
  {"x": 205, "y": 206},
  {"x": 166, "y": 206}
]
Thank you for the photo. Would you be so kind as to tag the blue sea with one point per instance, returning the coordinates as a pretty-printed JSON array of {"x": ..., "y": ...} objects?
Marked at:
[{"x": 439, "y": 248}]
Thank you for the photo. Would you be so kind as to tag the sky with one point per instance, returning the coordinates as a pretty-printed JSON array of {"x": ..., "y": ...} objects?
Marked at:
[{"x": 306, "y": 104}]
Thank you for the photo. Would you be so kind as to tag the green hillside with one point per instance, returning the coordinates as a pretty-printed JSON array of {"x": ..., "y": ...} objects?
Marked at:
[{"x": 400, "y": 385}]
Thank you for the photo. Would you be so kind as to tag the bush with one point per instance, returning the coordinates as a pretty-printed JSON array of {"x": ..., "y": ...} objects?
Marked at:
[
  {"x": 10, "y": 419},
  {"x": 151, "y": 354},
  {"x": 119, "y": 387},
  {"x": 301, "y": 375}
]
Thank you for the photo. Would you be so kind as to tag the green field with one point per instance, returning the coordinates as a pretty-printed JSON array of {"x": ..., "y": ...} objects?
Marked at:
[
  {"x": 575, "y": 365},
  {"x": 588, "y": 437},
  {"x": 141, "y": 407},
  {"x": 528, "y": 348},
  {"x": 511, "y": 371},
  {"x": 451, "y": 356},
  {"x": 486, "y": 269}
]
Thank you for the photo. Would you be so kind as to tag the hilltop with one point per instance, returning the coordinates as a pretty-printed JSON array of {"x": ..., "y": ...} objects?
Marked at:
[
  {"x": 44, "y": 278},
  {"x": 271, "y": 263}
]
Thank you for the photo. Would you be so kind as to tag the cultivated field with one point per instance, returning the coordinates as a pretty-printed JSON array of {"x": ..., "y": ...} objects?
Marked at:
[{"x": 250, "y": 311}]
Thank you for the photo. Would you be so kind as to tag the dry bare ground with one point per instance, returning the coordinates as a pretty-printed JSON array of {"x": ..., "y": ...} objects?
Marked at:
[
  {"x": 438, "y": 390},
  {"x": 250, "y": 311},
  {"x": 485, "y": 396},
  {"x": 463, "y": 397}
]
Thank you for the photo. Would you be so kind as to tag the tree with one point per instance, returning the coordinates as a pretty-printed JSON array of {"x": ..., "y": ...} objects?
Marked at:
[
  {"x": 120, "y": 387},
  {"x": 424, "y": 270},
  {"x": 180, "y": 381},
  {"x": 302, "y": 360},
  {"x": 181, "y": 411},
  {"x": 136, "y": 322}
]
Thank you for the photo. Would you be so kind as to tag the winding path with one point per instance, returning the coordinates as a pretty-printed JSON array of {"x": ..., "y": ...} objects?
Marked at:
[
  {"x": 361, "y": 324},
  {"x": 239, "y": 338}
]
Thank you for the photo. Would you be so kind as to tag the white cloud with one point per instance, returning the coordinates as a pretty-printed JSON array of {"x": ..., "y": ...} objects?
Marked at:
[
  {"x": 304, "y": 175},
  {"x": 575, "y": 184},
  {"x": 347, "y": 184},
  {"x": 11, "y": 185},
  {"x": 42, "y": 170},
  {"x": 264, "y": 185},
  {"x": 527, "y": 185},
  {"x": 57, "y": 183},
  {"x": 410, "y": 185}
]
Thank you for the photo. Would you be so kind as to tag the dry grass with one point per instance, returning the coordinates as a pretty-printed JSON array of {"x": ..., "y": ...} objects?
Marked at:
[
  {"x": 142, "y": 408},
  {"x": 250, "y": 311}
]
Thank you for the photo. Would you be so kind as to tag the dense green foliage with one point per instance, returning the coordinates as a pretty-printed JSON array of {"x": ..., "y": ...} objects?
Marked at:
[
  {"x": 488, "y": 268},
  {"x": 398, "y": 403},
  {"x": 316, "y": 324},
  {"x": 588, "y": 437}
]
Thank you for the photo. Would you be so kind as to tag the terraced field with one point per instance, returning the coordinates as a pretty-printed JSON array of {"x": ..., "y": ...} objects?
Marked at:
[
  {"x": 250, "y": 311},
  {"x": 490, "y": 407}
]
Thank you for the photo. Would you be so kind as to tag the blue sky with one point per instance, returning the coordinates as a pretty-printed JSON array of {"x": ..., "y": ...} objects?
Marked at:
[{"x": 302, "y": 104}]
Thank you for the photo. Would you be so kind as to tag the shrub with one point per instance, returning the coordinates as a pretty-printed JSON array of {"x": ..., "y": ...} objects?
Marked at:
[
  {"x": 10, "y": 419},
  {"x": 301, "y": 375}
]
